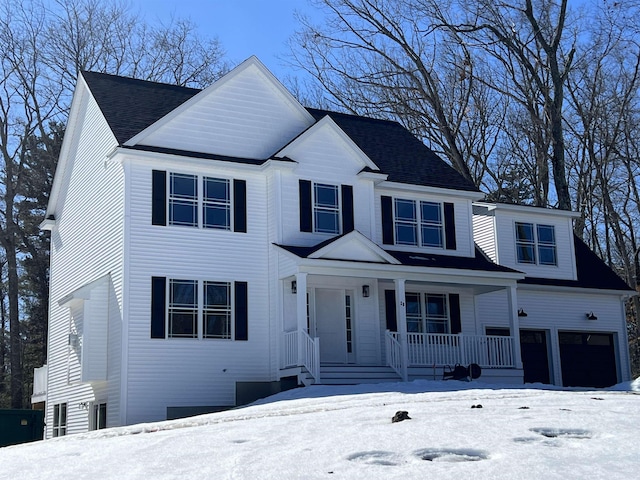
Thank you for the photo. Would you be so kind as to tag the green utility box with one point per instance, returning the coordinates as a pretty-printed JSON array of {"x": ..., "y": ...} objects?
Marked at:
[{"x": 21, "y": 426}]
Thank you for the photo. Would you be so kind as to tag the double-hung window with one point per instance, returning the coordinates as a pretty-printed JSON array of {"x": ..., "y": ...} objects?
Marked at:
[
  {"x": 217, "y": 310},
  {"x": 183, "y": 199},
  {"x": 198, "y": 201},
  {"x": 536, "y": 244},
  {"x": 216, "y": 208},
  {"x": 418, "y": 223},
  {"x": 183, "y": 308},
  {"x": 60, "y": 420},
  {"x": 326, "y": 208}
]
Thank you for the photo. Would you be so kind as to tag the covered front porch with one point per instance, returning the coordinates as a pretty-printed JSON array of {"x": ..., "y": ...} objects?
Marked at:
[{"x": 342, "y": 315}]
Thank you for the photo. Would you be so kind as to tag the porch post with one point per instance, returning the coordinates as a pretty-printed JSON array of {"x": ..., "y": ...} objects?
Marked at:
[
  {"x": 401, "y": 318},
  {"x": 301, "y": 313},
  {"x": 512, "y": 296}
]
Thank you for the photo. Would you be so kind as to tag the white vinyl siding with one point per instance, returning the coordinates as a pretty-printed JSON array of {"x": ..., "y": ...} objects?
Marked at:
[
  {"x": 246, "y": 117},
  {"x": 86, "y": 244},
  {"x": 564, "y": 267},
  {"x": 158, "y": 375},
  {"x": 462, "y": 217}
]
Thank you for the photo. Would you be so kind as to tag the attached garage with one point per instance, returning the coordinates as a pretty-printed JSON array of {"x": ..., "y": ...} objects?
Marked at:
[{"x": 588, "y": 359}]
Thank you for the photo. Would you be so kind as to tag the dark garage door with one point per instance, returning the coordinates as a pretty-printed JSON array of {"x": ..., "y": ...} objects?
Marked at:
[{"x": 588, "y": 359}]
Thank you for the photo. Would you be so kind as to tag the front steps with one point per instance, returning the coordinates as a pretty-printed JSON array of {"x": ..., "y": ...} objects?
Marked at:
[{"x": 356, "y": 374}]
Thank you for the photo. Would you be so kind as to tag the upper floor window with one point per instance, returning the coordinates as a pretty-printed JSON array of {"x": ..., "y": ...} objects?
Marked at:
[
  {"x": 325, "y": 208},
  {"x": 418, "y": 223},
  {"x": 536, "y": 244},
  {"x": 216, "y": 208},
  {"x": 199, "y": 201},
  {"x": 183, "y": 199}
]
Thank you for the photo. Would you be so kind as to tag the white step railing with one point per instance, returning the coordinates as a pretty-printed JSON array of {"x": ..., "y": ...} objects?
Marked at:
[
  {"x": 310, "y": 358},
  {"x": 488, "y": 351},
  {"x": 394, "y": 352}
]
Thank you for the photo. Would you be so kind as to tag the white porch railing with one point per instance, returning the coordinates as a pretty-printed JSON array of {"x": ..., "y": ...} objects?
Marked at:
[
  {"x": 310, "y": 352},
  {"x": 427, "y": 349},
  {"x": 394, "y": 352}
]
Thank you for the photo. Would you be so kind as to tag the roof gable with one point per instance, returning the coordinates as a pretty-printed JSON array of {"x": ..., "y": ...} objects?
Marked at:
[
  {"x": 397, "y": 152},
  {"x": 327, "y": 141},
  {"x": 247, "y": 113},
  {"x": 130, "y": 105},
  {"x": 353, "y": 246}
]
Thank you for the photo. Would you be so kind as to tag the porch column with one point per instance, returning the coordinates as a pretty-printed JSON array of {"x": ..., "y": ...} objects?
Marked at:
[
  {"x": 512, "y": 296},
  {"x": 301, "y": 313},
  {"x": 401, "y": 318}
]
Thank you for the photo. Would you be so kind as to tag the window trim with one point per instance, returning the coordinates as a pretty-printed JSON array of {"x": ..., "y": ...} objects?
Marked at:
[
  {"x": 418, "y": 223},
  {"x": 316, "y": 208},
  {"x": 227, "y": 203},
  {"x": 535, "y": 244},
  {"x": 423, "y": 319},
  {"x": 60, "y": 413},
  {"x": 201, "y": 310},
  {"x": 163, "y": 199}
]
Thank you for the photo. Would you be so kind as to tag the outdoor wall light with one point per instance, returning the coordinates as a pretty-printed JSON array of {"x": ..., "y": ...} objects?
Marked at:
[
  {"x": 591, "y": 316},
  {"x": 294, "y": 287},
  {"x": 365, "y": 291},
  {"x": 521, "y": 312}
]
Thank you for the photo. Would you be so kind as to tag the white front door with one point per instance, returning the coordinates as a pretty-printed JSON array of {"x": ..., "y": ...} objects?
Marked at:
[{"x": 331, "y": 325}]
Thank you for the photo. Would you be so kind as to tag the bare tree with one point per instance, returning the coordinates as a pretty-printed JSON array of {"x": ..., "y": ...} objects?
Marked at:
[{"x": 43, "y": 45}]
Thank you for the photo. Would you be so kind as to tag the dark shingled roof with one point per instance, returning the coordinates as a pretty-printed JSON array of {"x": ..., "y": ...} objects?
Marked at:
[
  {"x": 592, "y": 273},
  {"x": 418, "y": 259},
  {"x": 131, "y": 105},
  {"x": 397, "y": 152}
]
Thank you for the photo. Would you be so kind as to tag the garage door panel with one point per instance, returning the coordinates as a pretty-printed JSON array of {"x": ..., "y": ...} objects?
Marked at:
[{"x": 587, "y": 359}]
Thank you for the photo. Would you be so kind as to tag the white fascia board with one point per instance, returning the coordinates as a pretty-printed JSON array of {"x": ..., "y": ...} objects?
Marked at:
[
  {"x": 565, "y": 289},
  {"x": 390, "y": 272},
  {"x": 248, "y": 63},
  {"x": 362, "y": 240},
  {"x": 327, "y": 122},
  {"x": 375, "y": 176},
  {"x": 47, "y": 224},
  {"x": 528, "y": 209},
  {"x": 80, "y": 93},
  {"x": 449, "y": 192},
  {"x": 276, "y": 164},
  {"x": 177, "y": 161}
]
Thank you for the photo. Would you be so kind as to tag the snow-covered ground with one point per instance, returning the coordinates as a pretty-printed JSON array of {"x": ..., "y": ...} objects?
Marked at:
[{"x": 326, "y": 432}]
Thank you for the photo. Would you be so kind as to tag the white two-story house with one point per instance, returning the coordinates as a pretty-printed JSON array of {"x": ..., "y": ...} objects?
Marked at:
[{"x": 212, "y": 247}]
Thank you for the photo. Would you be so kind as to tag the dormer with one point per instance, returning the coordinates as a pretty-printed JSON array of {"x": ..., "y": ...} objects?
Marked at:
[{"x": 533, "y": 240}]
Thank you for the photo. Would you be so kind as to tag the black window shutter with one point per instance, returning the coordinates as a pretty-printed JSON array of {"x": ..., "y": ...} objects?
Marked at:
[
  {"x": 305, "y": 206},
  {"x": 158, "y": 306},
  {"x": 386, "y": 205},
  {"x": 159, "y": 198},
  {"x": 240, "y": 206},
  {"x": 347, "y": 208},
  {"x": 449, "y": 226},
  {"x": 241, "y": 308},
  {"x": 454, "y": 313},
  {"x": 390, "y": 310}
]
